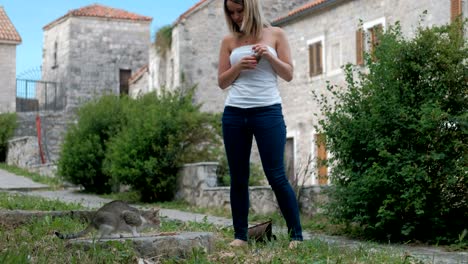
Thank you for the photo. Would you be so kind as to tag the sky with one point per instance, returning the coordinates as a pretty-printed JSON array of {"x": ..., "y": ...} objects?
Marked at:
[{"x": 30, "y": 16}]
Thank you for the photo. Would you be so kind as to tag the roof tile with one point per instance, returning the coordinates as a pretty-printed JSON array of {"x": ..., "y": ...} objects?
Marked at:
[
  {"x": 97, "y": 10},
  {"x": 7, "y": 29},
  {"x": 303, "y": 8},
  {"x": 189, "y": 11}
]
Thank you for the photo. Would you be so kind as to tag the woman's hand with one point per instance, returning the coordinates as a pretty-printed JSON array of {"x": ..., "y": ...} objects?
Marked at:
[
  {"x": 247, "y": 63},
  {"x": 261, "y": 51},
  {"x": 282, "y": 64}
]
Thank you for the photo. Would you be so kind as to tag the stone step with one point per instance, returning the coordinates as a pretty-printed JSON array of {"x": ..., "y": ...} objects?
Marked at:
[{"x": 161, "y": 245}]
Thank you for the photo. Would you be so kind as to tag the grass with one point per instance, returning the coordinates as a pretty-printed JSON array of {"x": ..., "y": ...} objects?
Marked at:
[
  {"x": 36, "y": 243},
  {"x": 25, "y": 202},
  {"x": 313, "y": 251}
]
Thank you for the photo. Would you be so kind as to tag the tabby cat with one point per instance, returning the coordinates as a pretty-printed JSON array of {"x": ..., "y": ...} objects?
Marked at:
[{"x": 117, "y": 216}]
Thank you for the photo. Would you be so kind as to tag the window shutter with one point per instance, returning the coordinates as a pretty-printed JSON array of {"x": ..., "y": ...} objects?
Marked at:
[
  {"x": 359, "y": 47},
  {"x": 322, "y": 172},
  {"x": 315, "y": 59},
  {"x": 455, "y": 9},
  {"x": 319, "y": 59},
  {"x": 311, "y": 60}
]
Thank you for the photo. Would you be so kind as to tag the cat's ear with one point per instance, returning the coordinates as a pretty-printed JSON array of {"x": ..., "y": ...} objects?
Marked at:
[{"x": 156, "y": 210}]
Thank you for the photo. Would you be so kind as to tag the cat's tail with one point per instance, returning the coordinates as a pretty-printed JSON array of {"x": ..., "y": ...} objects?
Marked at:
[{"x": 74, "y": 235}]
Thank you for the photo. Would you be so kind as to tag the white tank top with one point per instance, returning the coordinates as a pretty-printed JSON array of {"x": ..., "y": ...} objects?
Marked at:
[{"x": 253, "y": 88}]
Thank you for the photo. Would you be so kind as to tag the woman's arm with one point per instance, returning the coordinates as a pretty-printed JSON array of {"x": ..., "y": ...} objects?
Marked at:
[
  {"x": 283, "y": 63},
  {"x": 228, "y": 73}
]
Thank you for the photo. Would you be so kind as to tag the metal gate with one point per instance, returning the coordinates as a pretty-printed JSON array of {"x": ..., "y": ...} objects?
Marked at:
[{"x": 34, "y": 95}]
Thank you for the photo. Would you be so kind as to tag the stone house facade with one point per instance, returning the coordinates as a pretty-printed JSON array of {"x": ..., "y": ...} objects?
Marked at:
[
  {"x": 193, "y": 58},
  {"x": 324, "y": 31},
  {"x": 9, "y": 39},
  {"x": 333, "y": 29},
  {"x": 88, "y": 52},
  {"x": 94, "y": 50}
]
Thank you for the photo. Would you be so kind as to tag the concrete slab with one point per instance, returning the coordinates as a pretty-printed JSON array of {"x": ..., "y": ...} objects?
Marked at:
[
  {"x": 13, "y": 182},
  {"x": 163, "y": 245}
]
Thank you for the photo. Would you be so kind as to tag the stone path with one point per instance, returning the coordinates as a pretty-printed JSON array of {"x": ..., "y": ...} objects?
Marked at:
[{"x": 14, "y": 183}]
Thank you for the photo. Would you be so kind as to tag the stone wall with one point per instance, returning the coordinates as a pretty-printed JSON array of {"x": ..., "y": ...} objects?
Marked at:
[
  {"x": 7, "y": 77},
  {"x": 197, "y": 186},
  {"x": 196, "y": 40},
  {"x": 23, "y": 149},
  {"x": 23, "y": 152}
]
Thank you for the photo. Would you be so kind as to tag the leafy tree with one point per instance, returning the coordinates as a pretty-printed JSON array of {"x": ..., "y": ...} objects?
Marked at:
[
  {"x": 398, "y": 135},
  {"x": 163, "y": 132}
]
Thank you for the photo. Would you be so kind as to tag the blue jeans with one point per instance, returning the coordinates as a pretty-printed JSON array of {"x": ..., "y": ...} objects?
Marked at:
[{"x": 268, "y": 127}]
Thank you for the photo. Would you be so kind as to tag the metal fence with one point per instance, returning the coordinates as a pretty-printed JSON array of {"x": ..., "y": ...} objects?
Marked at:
[{"x": 34, "y": 95}]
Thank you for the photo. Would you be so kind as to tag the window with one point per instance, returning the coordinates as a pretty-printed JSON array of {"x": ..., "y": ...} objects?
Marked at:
[
  {"x": 367, "y": 39},
  {"x": 374, "y": 38},
  {"x": 316, "y": 57},
  {"x": 335, "y": 60},
  {"x": 55, "y": 65}
]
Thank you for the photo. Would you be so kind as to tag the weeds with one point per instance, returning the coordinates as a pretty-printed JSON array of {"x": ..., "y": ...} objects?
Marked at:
[{"x": 36, "y": 243}]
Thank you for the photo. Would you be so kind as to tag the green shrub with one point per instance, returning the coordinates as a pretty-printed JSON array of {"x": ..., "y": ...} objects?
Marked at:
[
  {"x": 7, "y": 129},
  {"x": 163, "y": 132},
  {"x": 85, "y": 143},
  {"x": 163, "y": 39},
  {"x": 398, "y": 135}
]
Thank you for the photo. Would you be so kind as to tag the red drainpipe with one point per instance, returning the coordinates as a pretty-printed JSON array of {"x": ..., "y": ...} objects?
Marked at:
[{"x": 39, "y": 138}]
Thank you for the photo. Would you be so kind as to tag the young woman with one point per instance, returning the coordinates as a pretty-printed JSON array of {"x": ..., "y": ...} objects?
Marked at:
[{"x": 251, "y": 57}]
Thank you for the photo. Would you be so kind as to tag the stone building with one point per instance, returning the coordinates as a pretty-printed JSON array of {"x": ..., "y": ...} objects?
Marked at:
[
  {"x": 94, "y": 50},
  {"x": 88, "y": 52},
  {"x": 196, "y": 39},
  {"x": 325, "y": 35},
  {"x": 322, "y": 35},
  {"x": 9, "y": 39}
]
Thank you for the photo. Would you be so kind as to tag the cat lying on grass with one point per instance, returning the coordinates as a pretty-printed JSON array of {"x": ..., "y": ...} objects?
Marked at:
[{"x": 117, "y": 216}]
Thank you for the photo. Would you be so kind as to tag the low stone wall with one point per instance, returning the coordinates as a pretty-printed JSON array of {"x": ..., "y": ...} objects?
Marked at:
[
  {"x": 194, "y": 178},
  {"x": 197, "y": 183},
  {"x": 23, "y": 152},
  {"x": 48, "y": 169},
  {"x": 23, "y": 149}
]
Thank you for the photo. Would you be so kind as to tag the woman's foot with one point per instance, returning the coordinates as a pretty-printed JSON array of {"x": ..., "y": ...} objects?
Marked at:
[
  {"x": 238, "y": 243},
  {"x": 294, "y": 244}
]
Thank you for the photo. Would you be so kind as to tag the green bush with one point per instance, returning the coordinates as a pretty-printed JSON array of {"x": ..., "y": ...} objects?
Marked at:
[
  {"x": 398, "y": 135},
  {"x": 86, "y": 142},
  {"x": 7, "y": 129},
  {"x": 163, "y": 132}
]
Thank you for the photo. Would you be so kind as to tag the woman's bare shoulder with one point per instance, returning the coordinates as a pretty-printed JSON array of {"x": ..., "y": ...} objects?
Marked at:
[
  {"x": 229, "y": 41},
  {"x": 277, "y": 31}
]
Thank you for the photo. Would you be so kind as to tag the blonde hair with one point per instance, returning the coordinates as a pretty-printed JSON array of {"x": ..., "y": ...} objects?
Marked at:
[{"x": 253, "y": 21}]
